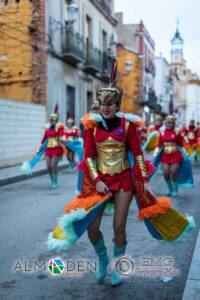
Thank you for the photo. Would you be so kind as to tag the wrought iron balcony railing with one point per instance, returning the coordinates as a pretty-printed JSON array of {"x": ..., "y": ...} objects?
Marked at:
[
  {"x": 73, "y": 49},
  {"x": 93, "y": 62}
]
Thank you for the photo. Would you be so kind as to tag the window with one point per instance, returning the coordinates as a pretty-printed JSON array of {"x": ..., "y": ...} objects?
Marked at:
[
  {"x": 104, "y": 41},
  {"x": 89, "y": 100},
  {"x": 70, "y": 102},
  {"x": 89, "y": 29}
]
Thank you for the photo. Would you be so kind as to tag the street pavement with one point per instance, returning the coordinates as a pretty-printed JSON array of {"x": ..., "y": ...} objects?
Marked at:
[{"x": 28, "y": 212}]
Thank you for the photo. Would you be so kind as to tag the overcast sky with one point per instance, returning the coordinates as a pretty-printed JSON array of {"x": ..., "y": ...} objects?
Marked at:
[{"x": 159, "y": 17}]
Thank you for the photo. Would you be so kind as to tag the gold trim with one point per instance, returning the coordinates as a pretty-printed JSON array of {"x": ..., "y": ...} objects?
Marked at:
[
  {"x": 53, "y": 142},
  {"x": 141, "y": 164},
  {"x": 92, "y": 168},
  {"x": 126, "y": 127},
  {"x": 170, "y": 147},
  {"x": 112, "y": 156}
]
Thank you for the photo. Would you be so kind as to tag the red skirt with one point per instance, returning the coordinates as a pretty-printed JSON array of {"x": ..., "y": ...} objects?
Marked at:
[
  {"x": 192, "y": 142},
  {"x": 172, "y": 158},
  {"x": 57, "y": 151},
  {"x": 118, "y": 181}
]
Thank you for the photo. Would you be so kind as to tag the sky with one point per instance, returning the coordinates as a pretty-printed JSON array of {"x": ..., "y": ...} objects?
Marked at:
[{"x": 160, "y": 18}]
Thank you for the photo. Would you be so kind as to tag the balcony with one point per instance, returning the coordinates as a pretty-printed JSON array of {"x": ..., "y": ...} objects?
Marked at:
[
  {"x": 106, "y": 67},
  {"x": 93, "y": 62},
  {"x": 72, "y": 47}
]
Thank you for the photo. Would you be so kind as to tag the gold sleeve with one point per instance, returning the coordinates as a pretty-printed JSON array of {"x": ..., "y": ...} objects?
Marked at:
[
  {"x": 92, "y": 168},
  {"x": 141, "y": 164}
]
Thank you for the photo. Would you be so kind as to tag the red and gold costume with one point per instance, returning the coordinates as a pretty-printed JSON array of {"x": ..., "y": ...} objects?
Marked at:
[
  {"x": 156, "y": 128},
  {"x": 53, "y": 134},
  {"x": 72, "y": 133},
  {"x": 143, "y": 133},
  {"x": 169, "y": 139},
  {"x": 183, "y": 131},
  {"x": 192, "y": 135},
  {"x": 110, "y": 149}
]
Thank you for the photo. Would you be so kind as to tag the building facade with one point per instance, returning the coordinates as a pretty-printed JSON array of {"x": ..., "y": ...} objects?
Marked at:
[
  {"x": 47, "y": 58},
  {"x": 128, "y": 79},
  {"x": 23, "y": 81},
  {"x": 163, "y": 85},
  {"x": 136, "y": 38},
  {"x": 193, "y": 100},
  {"x": 178, "y": 71},
  {"x": 23, "y": 51},
  {"x": 82, "y": 51}
]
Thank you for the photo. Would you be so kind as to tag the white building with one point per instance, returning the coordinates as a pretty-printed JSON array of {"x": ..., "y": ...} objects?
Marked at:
[
  {"x": 81, "y": 54},
  {"x": 193, "y": 100},
  {"x": 178, "y": 71},
  {"x": 163, "y": 85}
]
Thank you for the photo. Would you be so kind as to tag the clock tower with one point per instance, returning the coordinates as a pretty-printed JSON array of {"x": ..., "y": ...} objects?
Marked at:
[{"x": 177, "y": 60}]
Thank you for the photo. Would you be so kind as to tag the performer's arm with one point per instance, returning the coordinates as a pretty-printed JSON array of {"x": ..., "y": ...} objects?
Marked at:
[
  {"x": 90, "y": 154},
  {"x": 44, "y": 137},
  {"x": 159, "y": 145},
  {"x": 180, "y": 140},
  {"x": 61, "y": 130},
  {"x": 134, "y": 145}
]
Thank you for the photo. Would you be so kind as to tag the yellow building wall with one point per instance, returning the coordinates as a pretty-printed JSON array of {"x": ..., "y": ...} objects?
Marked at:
[
  {"x": 16, "y": 57},
  {"x": 129, "y": 82}
]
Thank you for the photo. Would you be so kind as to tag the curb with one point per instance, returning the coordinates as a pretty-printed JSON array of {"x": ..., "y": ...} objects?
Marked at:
[
  {"x": 23, "y": 177},
  {"x": 192, "y": 286}
]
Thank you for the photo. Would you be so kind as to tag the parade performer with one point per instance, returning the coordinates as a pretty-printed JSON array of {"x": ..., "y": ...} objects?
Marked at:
[
  {"x": 153, "y": 135},
  {"x": 183, "y": 130},
  {"x": 74, "y": 145},
  {"x": 192, "y": 133},
  {"x": 143, "y": 133},
  {"x": 174, "y": 160},
  {"x": 72, "y": 134},
  {"x": 114, "y": 167},
  {"x": 192, "y": 138},
  {"x": 53, "y": 135},
  {"x": 51, "y": 147}
]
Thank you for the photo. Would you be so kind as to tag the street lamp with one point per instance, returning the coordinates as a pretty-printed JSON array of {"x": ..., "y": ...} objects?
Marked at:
[
  {"x": 128, "y": 67},
  {"x": 72, "y": 12}
]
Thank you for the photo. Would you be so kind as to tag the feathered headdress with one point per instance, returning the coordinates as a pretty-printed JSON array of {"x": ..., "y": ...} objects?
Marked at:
[
  {"x": 54, "y": 116},
  {"x": 112, "y": 92}
]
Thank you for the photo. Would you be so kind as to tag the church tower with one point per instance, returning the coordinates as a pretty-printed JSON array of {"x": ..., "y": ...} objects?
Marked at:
[{"x": 177, "y": 59}]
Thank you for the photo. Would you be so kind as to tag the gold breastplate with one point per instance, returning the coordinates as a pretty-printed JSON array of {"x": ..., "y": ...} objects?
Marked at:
[
  {"x": 170, "y": 147},
  {"x": 111, "y": 156},
  {"x": 53, "y": 142},
  {"x": 191, "y": 135}
]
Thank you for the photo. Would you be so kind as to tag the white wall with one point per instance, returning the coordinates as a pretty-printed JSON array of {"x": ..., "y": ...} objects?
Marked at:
[
  {"x": 162, "y": 86},
  {"x": 193, "y": 102},
  {"x": 20, "y": 130}
]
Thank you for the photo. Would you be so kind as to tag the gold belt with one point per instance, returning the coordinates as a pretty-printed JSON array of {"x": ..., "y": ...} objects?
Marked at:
[
  {"x": 53, "y": 142},
  {"x": 191, "y": 135},
  {"x": 170, "y": 147},
  {"x": 111, "y": 167}
]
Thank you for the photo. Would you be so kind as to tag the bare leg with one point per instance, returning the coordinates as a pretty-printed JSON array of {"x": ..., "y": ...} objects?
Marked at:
[
  {"x": 48, "y": 163},
  {"x": 122, "y": 202},
  {"x": 174, "y": 171},
  {"x": 94, "y": 232},
  {"x": 54, "y": 164},
  {"x": 166, "y": 171}
]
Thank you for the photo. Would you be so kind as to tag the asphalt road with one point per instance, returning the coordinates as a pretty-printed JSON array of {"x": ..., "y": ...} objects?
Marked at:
[{"x": 28, "y": 212}]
